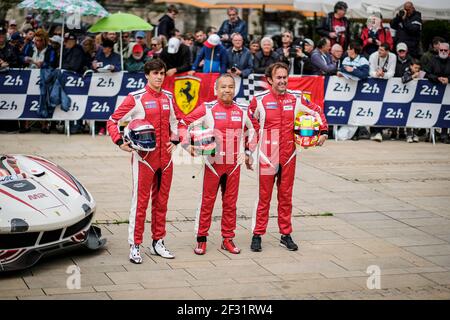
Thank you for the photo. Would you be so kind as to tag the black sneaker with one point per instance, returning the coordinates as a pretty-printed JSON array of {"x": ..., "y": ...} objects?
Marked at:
[
  {"x": 287, "y": 242},
  {"x": 256, "y": 243}
]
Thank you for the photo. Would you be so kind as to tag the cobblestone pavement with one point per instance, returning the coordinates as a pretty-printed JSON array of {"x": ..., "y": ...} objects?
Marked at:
[{"x": 389, "y": 203}]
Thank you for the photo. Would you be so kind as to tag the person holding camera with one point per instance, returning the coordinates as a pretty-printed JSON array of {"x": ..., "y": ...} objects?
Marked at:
[
  {"x": 335, "y": 26},
  {"x": 374, "y": 34},
  {"x": 240, "y": 59},
  {"x": 382, "y": 62},
  {"x": 408, "y": 26}
]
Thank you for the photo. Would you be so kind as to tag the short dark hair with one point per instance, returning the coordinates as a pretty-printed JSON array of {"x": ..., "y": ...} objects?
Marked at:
[
  {"x": 172, "y": 8},
  {"x": 273, "y": 67},
  {"x": 386, "y": 46},
  {"x": 437, "y": 40},
  {"x": 209, "y": 29},
  {"x": 107, "y": 43},
  {"x": 322, "y": 42},
  {"x": 154, "y": 64},
  {"x": 355, "y": 46},
  {"x": 340, "y": 5}
]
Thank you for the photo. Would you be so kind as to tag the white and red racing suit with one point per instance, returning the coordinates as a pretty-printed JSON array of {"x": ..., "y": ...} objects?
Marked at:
[
  {"x": 273, "y": 117},
  {"x": 152, "y": 171},
  {"x": 230, "y": 123}
]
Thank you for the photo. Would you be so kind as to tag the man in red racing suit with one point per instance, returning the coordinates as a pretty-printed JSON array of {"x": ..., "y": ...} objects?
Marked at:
[
  {"x": 152, "y": 171},
  {"x": 229, "y": 122},
  {"x": 273, "y": 114}
]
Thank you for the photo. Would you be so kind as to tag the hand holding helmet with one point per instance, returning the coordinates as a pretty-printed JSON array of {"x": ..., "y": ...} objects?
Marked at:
[
  {"x": 307, "y": 129},
  {"x": 202, "y": 141},
  {"x": 140, "y": 135}
]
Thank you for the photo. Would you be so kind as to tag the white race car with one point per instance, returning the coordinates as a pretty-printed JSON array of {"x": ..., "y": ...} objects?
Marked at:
[{"x": 43, "y": 210}]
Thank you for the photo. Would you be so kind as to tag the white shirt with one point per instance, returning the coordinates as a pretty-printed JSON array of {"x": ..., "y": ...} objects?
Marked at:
[
  {"x": 388, "y": 64},
  {"x": 38, "y": 56}
]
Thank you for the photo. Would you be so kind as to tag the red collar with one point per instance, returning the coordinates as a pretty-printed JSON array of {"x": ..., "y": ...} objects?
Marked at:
[
  {"x": 153, "y": 92},
  {"x": 276, "y": 94}
]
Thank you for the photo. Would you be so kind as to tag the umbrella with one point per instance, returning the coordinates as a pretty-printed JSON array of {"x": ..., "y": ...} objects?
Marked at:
[
  {"x": 84, "y": 7},
  {"x": 120, "y": 22}
]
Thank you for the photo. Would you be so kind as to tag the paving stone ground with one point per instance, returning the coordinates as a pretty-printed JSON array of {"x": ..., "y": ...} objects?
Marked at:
[{"x": 390, "y": 206}]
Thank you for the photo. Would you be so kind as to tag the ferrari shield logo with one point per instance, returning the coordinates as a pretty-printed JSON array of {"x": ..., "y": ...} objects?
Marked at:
[{"x": 186, "y": 90}]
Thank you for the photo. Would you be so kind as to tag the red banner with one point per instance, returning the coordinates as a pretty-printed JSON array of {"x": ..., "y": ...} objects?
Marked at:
[
  {"x": 191, "y": 91},
  {"x": 312, "y": 86}
]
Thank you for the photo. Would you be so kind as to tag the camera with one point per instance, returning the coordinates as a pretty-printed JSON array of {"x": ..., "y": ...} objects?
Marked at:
[
  {"x": 233, "y": 69},
  {"x": 401, "y": 13},
  {"x": 293, "y": 51}
]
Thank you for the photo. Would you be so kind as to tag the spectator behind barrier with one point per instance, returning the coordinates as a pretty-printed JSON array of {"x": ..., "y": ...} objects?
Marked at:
[
  {"x": 439, "y": 72},
  {"x": 412, "y": 72},
  {"x": 211, "y": 30},
  {"x": 303, "y": 64},
  {"x": 382, "y": 63},
  {"x": 12, "y": 28},
  {"x": 321, "y": 59},
  {"x": 240, "y": 59},
  {"x": 374, "y": 34},
  {"x": 141, "y": 38},
  {"x": 335, "y": 26},
  {"x": 337, "y": 53},
  {"x": 127, "y": 46},
  {"x": 426, "y": 58},
  {"x": 214, "y": 54},
  {"x": 265, "y": 57},
  {"x": 287, "y": 38},
  {"x": 41, "y": 55},
  {"x": 354, "y": 66},
  {"x": 408, "y": 26},
  {"x": 176, "y": 56},
  {"x": 403, "y": 60},
  {"x": 136, "y": 62},
  {"x": 233, "y": 25},
  {"x": 166, "y": 24},
  {"x": 90, "y": 51},
  {"x": 200, "y": 38},
  {"x": 188, "y": 40},
  {"x": 156, "y": 48},
  {"x": 255, "y": 46},
  {"x": 8, "y": 54},
  {"x": 106, "y": 60},
  {"x": 73, "y": 54}
]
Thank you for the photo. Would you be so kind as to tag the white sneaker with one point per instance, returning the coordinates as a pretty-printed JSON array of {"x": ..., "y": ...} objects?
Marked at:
[
  {"x": 135, "y": 254},
  {"x": 378, "y": 137},
  {"x": 415, "y": 138},
  {"x": 158, "y": 249},
  {"x": 409, "y": 139}
]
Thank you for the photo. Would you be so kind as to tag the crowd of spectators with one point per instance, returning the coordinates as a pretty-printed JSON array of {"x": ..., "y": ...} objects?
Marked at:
[{"x": 375, "y": 53}]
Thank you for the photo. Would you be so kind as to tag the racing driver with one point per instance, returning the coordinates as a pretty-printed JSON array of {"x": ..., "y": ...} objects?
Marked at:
[
  {"x": 152, "y": 171},
  {"x": 273, "y": 113}
]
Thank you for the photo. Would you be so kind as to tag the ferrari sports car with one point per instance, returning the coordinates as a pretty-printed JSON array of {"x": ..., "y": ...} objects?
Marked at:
[{"x": 43, "y": 210}]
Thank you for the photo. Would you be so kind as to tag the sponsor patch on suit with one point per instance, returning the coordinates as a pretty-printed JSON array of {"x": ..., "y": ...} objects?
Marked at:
[
  {"x": 220, "y": 116},
  {"x": 236, "y": 118},
  {"x": 150, "y": 105},
  {"x": 271, "y": 105},
  {"x": 288, "y": 108}
]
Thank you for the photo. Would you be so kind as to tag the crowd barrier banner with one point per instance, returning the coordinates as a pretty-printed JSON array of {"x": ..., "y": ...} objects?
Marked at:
[
  {"x": 420, "y": 104},
  {"x": 377, "y": 102}
]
